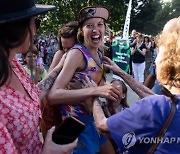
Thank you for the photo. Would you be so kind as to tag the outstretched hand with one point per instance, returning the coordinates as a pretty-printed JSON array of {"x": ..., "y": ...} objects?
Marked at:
[{"x": 109, "y": 64}]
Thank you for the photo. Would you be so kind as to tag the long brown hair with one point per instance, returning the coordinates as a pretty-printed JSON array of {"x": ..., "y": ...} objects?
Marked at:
[
  {"x": 12, "y": 35},
  {"x": 68, "y": 30}
]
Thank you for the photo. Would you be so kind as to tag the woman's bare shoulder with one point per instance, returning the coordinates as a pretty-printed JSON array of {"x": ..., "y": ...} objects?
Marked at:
[{"x": 75, "y": 53}]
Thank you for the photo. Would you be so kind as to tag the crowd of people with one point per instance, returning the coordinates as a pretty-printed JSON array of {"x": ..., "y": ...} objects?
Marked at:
[
  {"x": 143, "y": 49},
  {"x": 34, "y": 99},
  {"x": 47, "y": 46}
]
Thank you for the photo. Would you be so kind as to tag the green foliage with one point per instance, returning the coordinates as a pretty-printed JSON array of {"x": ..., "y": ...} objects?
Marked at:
[
  {"x": 175, "y": 8},
  {"x": 67, "y": 10},
  {"x": 143, "y": 15},
  {"x": 162, "y": 16},
  {"x": 169, "y": 10},
  {"x": 148, "y": 16}
]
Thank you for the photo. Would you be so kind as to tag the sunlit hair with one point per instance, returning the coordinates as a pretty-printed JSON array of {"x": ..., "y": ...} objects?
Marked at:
[
  {"x": 169, "y": 65},
  {"x": 139, "y": 35}
]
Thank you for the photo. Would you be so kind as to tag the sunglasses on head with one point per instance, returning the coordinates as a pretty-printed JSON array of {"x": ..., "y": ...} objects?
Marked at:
[{"x": 37, "y": 22}]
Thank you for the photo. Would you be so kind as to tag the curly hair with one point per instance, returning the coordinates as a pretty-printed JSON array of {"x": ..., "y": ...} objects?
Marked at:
[{"x": 169, "y": 65}]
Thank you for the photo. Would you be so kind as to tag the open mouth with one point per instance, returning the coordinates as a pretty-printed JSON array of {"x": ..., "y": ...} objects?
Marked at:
[{"x": 95, "y": 38}]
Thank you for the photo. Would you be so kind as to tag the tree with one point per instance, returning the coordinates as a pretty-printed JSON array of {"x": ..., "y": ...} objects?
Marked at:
[
  {"x": 162, "y": 16},
  {"x": 169, "y": 10},
  {"x": 143, "y": 15},
  {"x": 175, "y": 9},
  {"x": 67, "y": 10}
]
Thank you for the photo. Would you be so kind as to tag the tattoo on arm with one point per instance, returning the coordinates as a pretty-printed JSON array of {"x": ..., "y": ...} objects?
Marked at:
[
  {"x": 141, "y": 90},
  {"x": 46, "y": 84}
]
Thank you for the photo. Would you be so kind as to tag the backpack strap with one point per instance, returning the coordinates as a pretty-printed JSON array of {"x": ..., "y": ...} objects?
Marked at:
[{"x": 173, "y": 100}]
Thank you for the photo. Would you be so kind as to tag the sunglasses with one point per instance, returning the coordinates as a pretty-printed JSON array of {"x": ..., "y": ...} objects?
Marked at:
[{"x": 37, "y": 22}]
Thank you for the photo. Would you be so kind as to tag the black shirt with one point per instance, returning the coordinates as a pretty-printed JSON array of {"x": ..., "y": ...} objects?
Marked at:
[{"x": 138, "y": 57}]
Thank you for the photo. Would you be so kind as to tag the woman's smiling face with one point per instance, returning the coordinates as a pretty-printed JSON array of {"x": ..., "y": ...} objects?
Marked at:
[
  {"x": 31, "y": 58},
  {"x": 93, "y": 32}
]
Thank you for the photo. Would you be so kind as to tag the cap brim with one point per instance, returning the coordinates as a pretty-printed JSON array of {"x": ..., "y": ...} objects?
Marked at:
[
  {"x": 39, "y": 9},
  {"x": 93, "y": 12}
]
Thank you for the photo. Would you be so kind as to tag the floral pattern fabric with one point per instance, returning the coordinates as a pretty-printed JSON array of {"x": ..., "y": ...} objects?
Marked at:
[{"x": 19, "y": 116}]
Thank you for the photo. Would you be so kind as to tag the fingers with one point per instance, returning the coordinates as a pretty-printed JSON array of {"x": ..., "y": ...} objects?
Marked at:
[
  {"x": 87, "y": 80},
  {"x": 69, "y": 147},
  {"x": 107, "y": 66},
  {"x": 108, "y": 63},
  {"x": 90, "y": 82},
  {"x": 85, "y": 85},
  {"x": 113, "y": 93},
  {"x": 49, "y": 134},
  {"x": 51, "y": 147},
  {"x": 94, "y": 83},
  {"x": 106, "y": 59}
]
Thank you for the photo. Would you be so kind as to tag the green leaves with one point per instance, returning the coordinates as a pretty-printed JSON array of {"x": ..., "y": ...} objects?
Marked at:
[
  {"x": 148, "y": 16},
  {"x": 67, "y": 10},
  {"x": 143, "y": 16}
]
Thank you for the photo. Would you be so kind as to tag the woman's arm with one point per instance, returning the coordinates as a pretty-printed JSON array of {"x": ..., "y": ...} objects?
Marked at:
[
  {"x": 99, "y": 117},
  {"x": 57, "y": 57},
  {"x": 46, "y": 84},
  {"x": 142, "y": 52},
  {"x": 141, "y": 90},
  {"x": 149, "y": 45},
  {"x": 58, "y": 94},
  {"x": 133, "y": 50}
]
